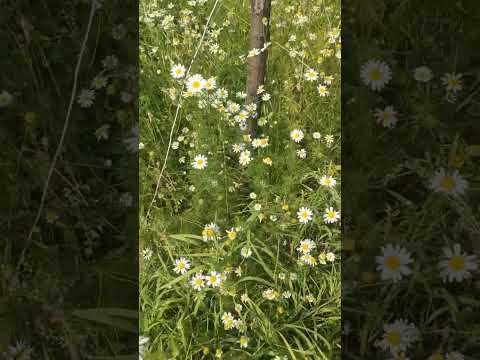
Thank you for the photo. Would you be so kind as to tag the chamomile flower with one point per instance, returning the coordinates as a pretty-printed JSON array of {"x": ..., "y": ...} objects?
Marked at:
[
  {"x": 181, "y": 266},
  {"x": 178, "y": 71},
  {"x": 331, "y": 216},
  {"x": 200, "y": 162},
  {"x": 228, "y": 321},
  {"x": 236, "y": 148},
  {"x": 316, "y": 135},
  {"x": 211, "y": 83},
  {"x": 375, "y": 74},
  {"x": 296, "y": 135},
  {"x": 309, "y": 259},
  {"x": 328, "y": 181},
  {"x": 423, "y": 74},
  {"x": 448, "y": 182},
  {"x": 232, "y": 234},
  {"x": 198, "y": 282},
  {"x": 210, "y": 232},
  {"x": 304, "y": 215},
  {"x": 453, "y": 82},
  {"x": 270, "y": 294},
  {"x": 323, "y": 90},
  {"x": 456, "y": 265},
  {"x": 386, "y": 117},
  {"x": 214, "y": 279},
  {"x": 147, "y": 253},
  {"x": 306, "y": 246},
  {"x": 394, "y": 263},
  {"x": 243, "y": 341},
  {"x": 399, "y": 336},
  {"x": 195, "y": 84},
  {"x": 330, "y": 257},
  {"x": 245, "y": 158},
  {"x": 301, "y": 153},
  {"x": 311, "y": 75},
  {"x": 329, "y": 140},
  {"x": 86, "y": 98}
]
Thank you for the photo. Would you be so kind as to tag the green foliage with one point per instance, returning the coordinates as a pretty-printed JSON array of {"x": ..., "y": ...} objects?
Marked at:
[{"x": 184, "y": 323}]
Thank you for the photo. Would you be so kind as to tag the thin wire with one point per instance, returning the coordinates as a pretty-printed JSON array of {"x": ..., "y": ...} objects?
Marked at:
[
  {"x": 157, "y": 188},
  {"x": 62, "y": 137}
]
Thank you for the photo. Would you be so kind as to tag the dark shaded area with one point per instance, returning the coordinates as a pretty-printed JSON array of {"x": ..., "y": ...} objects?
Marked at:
[
  {"x": 390, "y": 192},
  {"x": 75, "y": 292}
]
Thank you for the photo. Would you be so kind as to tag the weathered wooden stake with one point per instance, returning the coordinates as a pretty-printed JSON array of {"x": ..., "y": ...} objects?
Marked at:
[{"x": 257, "y": 65}]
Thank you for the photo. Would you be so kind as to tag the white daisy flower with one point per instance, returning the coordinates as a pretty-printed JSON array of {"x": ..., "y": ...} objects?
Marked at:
[
  {"x": 453, "y": 82},
  {"x": 214, "y": 279},
  {"x": 457, "y": 265},
  {"x": 301, "y": 153},
  {"x": 311, "y": 75},
  {"x": 228, "y": 321},
  {"x": 86, "y": 98},
  {"x": 323, "y": 90},
  {"x": 398, "y": 336},
  {"x": 423, "y": 74},
  {"x": 200, "y": 162},
  {"x": 329, "y": 140},
  {"x": 181, "y": 266},
  {"x": 210, "y": 232},
  {"x": 147, "y": 253},
  {"x": 376, "y": 74},
  {"x": 245, "y": 158},
  {"x": 308, "y": 259},
  {"x": 394, "y": 263},
  {"x": 304, "y": 215},
  {"x": 316, "y": 135},
  {"x": 331, "y": 216},
  {"x": 198, "y": 282},
  {"x": 211, "y": 83},
  {"x": 386, "y": 117},
  {"x": 330, "y": 257},
  {"x": 306, "y": 246},
  {"x": 236, "y": 148},
  {"x": 296, "y": 135},
  {"x": 448, "y": 182},
  {"x": 178, "y": 71},
  {"x": 328, "y": 181},
  {"x": 195, "y": 84}
]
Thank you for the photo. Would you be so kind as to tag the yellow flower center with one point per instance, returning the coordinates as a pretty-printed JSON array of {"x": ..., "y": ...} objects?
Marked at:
[
  {"x": 232, "y": 235},
  {"x": 181, "y": 265},
  {"x": 453, "y": 82},
  {"x": 213, "y": 279},
  {"x": 200, "y": 162},
  {"x": 209, "y": 232},
  {"x": 447, "y": 183},
  {"x": 375, "y": 74},
  {"x": 196, "y": 84},
  {"x": 394, "y": 338},
  {"x": 456, "y": 263},
  {"x": 392, "y": 262},
  {"x": 328, "y": 181},
  {"x": 178, "y": 71},
  {"x": 331, "y": 214}
]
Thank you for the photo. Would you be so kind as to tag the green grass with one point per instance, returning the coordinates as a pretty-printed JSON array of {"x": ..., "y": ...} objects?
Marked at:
[{"x": 181, "y": 322}]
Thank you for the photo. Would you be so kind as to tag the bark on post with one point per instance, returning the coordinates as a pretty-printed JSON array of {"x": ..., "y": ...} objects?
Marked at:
[{"x": 257, "y": 65}]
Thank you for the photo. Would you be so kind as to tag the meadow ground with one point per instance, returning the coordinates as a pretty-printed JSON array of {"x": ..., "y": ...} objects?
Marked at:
[{"x": 239, "y": 236}]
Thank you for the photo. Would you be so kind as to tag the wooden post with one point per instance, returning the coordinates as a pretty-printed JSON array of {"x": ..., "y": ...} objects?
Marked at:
[{"x": 257, "y": 65}]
